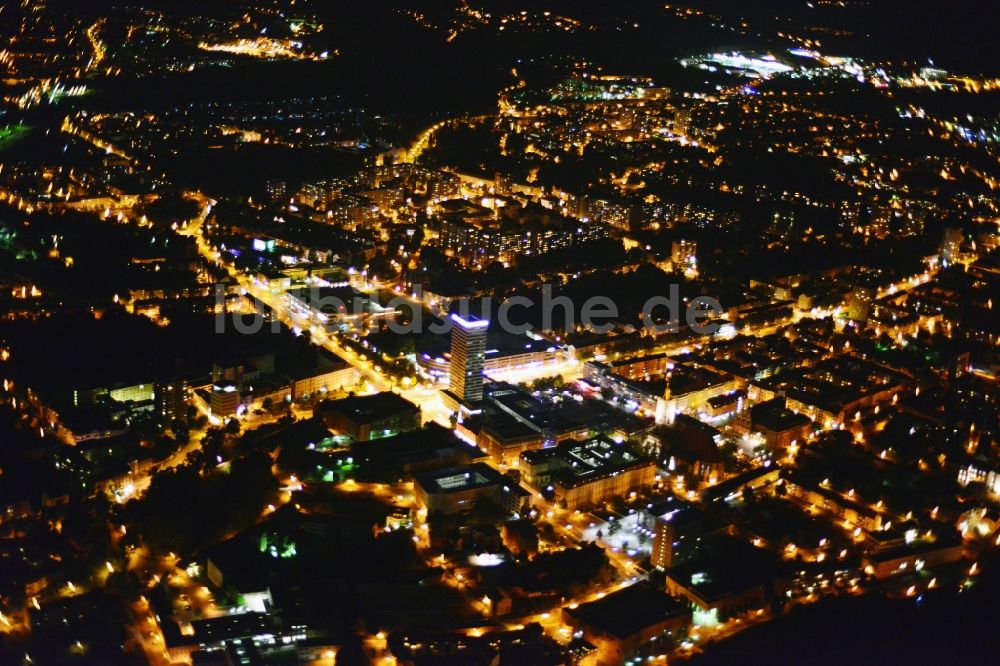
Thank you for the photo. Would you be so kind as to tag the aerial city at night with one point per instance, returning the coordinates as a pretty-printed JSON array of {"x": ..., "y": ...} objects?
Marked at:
[{"x": 499, "y": 332}]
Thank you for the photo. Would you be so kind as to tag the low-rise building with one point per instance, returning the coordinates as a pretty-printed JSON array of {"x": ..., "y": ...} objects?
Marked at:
[
  {"x": 688, "y": 448},
  {"x": 458, "y": 489},
  {"x": 586, "y": 473},
  {"x": 779, "y": 426},
  {"x": 725, "y": 578},
  {"x": 641, "y": 367},
  {"x": 850, "y": 510},
  {"x": 636, "y": 621},
  {"x": 512, "y": 421},
  {"x": 371, "y": 416},
  {"x": 690, "y": 387},
  {"x": 520, "y": 537},
  {"x": 913, "y": 557},
  {"x": 320, "y": 380},
  {"x": 733, "y": 487},
  {"x": 602, "y": 376}
]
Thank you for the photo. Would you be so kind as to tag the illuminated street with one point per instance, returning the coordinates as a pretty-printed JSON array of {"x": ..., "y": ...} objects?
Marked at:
[{"x": 484, "y": 333}]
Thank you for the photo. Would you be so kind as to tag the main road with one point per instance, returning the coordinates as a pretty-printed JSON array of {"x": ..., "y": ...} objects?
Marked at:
[{"x": 426, "y": 397}]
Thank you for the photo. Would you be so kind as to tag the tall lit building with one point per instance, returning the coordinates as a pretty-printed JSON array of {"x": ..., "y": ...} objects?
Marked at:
[
  {"x": 682, "y": 121},
  {"x": 224, "y": 400},
  {"x": 684, "y": 255},
  {"x": 663, "y": 543},
  {"x": 680, "y": 532},
  {"x": 468, "y": 348},
  {"x": 951, "y": 244},
  {"x": 859, "y": 304},
  {"x": 276, "y": 190},
  {"x": 172, "y": 399}
]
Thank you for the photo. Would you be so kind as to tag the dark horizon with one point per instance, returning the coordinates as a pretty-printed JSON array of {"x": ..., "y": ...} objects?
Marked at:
[{"x": 469, "y": 331}]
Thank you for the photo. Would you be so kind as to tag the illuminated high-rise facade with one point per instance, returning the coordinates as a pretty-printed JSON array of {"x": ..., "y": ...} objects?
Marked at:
[
  {"x": 468, "y": 348},
  {"x": 663, "y": 543},
  {"x": 172, "y": 399},
  {"x": 951, "y": 244},
  {"x": 859, "y": 304}
]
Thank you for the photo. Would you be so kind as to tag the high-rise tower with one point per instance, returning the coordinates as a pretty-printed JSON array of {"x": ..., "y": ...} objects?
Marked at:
[{"x": 468, "y": 347}]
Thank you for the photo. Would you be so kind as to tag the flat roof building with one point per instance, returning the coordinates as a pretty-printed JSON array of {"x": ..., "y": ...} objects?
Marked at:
[
  {"x": 726, "y": 577},
  {"x": 371, "y": 416},
  {"x": 779, "y": 425},
  {"x": 586, "y": 473},
  {"x": 636, "y": 620},
  {"x": 457, "y": 489}
]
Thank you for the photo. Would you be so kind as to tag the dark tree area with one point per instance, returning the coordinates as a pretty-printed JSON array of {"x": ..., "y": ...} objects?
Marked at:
[
  {"x": 169, "y": 209},
  {"x": 186, "y": 508}
]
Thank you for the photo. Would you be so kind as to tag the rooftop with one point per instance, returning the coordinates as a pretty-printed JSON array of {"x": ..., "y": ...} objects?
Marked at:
[
  {"x": 368, "y": 408},
  {"x": 773, "y": 415},
  {"x": 583, "y": 462},
  {"x": 629, "y": 611},
  {"x": 462, "y": 478},
  {"x": 725, "y": 566}
]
